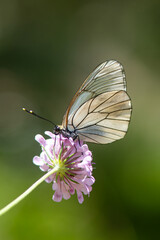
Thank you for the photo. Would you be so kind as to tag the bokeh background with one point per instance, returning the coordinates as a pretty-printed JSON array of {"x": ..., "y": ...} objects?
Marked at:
[{"x": 47, "y": 49}]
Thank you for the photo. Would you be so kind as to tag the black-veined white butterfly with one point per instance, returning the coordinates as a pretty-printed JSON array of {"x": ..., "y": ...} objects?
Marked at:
[{"x": 100, "y": 110}]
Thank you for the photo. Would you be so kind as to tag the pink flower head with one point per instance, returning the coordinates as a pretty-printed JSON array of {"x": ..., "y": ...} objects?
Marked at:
[{"x": 73, "y": 162}]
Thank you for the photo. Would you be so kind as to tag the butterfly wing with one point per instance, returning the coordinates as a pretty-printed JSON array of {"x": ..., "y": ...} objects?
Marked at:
[{"x": 100, "y": 110}]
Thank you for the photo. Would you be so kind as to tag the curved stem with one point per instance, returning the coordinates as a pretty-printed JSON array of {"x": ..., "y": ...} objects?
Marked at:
[{"x": 28, "y": 191}]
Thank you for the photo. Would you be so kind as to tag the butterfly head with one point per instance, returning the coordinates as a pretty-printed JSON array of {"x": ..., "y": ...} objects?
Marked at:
[{"x": 57, "y": 129}]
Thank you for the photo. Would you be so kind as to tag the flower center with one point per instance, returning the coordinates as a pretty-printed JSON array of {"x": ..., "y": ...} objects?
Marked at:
[{"x": 61, "y": 167}]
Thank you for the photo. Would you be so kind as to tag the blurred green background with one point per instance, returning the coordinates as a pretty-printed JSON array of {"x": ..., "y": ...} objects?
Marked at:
[{"x": 47, "y": 49}]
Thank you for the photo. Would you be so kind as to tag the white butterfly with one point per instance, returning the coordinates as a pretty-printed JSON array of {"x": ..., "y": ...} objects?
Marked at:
[{"x": 100, "y": 111}]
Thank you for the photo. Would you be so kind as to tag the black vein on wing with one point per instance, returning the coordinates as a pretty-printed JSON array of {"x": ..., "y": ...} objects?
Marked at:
[
  {"x": 119, "y": 110},
  {"x": 118, "y": 135},
  {"x": 114, "y": 105},
  {"x": 90, "y": 105},
  {"x": 110, "y": 78},
  {"x": 117, "y": 119},
  {"x": 86, "y": 116},
  {"x": 103, "y": 101},
  {"x": 97, "y": 124},
  {"x": 107, "y": 82},
  {"x": 120, "y": 69},
  {"x": 112, "y": 128},
  {"x": 97, "y": 135},
  {"x": 105, "y": 88},
  {"x": 109, "y": 75},
  {"x": 88, "y": 137}
]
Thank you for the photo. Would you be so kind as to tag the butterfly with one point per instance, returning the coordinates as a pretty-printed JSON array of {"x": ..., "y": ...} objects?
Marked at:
[{"x": 100, "y": 111}]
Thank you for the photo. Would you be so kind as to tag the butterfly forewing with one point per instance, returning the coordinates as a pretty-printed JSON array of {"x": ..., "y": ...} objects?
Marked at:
[{"x": 100, "y": 110}]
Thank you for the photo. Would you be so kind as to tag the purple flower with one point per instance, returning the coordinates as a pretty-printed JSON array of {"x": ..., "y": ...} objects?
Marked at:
[{"x": 73, "y": 161}]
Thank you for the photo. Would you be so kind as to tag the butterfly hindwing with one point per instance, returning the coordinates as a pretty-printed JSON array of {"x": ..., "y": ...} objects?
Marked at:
[{"x": 106, "y": 122}]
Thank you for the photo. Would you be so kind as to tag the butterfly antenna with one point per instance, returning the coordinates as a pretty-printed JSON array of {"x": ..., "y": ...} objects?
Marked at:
[{"x": 34, "y": 114}]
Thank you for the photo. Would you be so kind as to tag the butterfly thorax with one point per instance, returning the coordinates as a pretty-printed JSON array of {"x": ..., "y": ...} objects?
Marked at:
[{"x": 58, "y": 129}]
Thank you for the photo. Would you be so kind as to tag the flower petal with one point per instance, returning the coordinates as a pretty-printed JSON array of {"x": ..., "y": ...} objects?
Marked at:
[
  {"x": 50, "y": 134},
  {"x": 90, "y": 181},
  {"x": 66, "y": 194},
  {"x": 57, "y": 197},
  {"x": 50, "y": 178},
  {"x": 38, "y": 161},
  {"x": 54, "y": 186},
  {"x": 57, "y": 145},
  {"x": 39, "y": 138},
  {"x": 72, "y": 191},
  {"x": 44, "y": 167},
  {"x": 80, "y": 197}
]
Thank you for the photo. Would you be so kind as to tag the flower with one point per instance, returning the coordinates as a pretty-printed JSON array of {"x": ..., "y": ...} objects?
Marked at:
[{"x": 73, "y": 161}]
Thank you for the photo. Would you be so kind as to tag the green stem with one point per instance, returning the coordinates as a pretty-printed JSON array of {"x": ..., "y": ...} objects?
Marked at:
[{"x": 28, "y": 191}]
